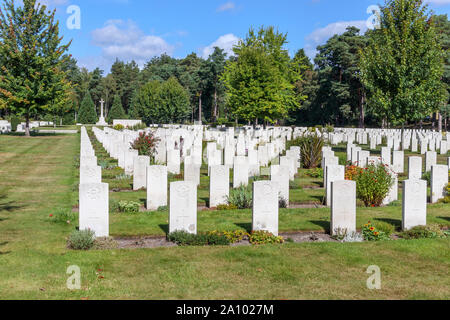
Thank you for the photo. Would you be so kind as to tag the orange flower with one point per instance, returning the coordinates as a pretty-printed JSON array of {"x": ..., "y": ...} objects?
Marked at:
[
  {"x": 372, "y": 228},
  {"x": 376, "y": 233}
]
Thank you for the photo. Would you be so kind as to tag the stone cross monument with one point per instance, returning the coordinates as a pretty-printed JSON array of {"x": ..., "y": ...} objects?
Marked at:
[{"x": 101, "y": 121}]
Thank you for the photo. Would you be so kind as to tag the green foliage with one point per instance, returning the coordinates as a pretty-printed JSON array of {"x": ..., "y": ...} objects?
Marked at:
[
  {"x": 225, "y": 207},
  {"x": 315, "y": 173},
  {"x": 32, "y": 81},
  {"x": 116, "y": 111},
  {"x": 128, "y": 206},
  {"x": 118, "y": 127},
  {"x": 182, "y": 238},
  {"x": 231, "y": 236},
  {"x": 447, "y": 194},
  {"x": 64, "y": 216},
  {"x": 81, "y": 240},
  {"x": 15, "y": 121},
  {"x": 373, "y": 184},
  {"x": 402, "y": 66},
  {"x": 385, "y": 227},
  {"x": 145, "y": 144},
  {"x": 371, "y": 233},
  {"x": 427, "y": 177},
  {"x": 87, "y": 114},
  {"x": 264, "y": 237},
  {"x": 162, "y": 102},
  {"x": 340, "y": 96},
  {"x": 424, "y": 232},
  {"x": 310, "y": 150},
  {"x": 259, "y": 81},
  {"x": 240, "y": 198}
]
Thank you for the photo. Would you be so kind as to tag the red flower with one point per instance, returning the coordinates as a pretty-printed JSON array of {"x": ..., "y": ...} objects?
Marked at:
[{"x": 50, "y": 215}]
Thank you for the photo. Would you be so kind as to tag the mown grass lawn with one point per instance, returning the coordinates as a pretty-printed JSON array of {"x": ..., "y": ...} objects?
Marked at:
[{"x": 38, "y": 175}]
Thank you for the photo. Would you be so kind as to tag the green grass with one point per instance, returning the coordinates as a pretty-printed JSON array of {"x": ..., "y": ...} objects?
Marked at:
[{"x": 38, "y": 177}]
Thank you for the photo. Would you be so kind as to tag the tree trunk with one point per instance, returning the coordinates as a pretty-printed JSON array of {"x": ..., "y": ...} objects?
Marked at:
[
  {"x": 361, "y": 109},
  {"x": 200, "y": 108},
  {"x": 27, "y": 126},
  {"x": 215, "y": 104},
  {"x": 439, "y": 122}
]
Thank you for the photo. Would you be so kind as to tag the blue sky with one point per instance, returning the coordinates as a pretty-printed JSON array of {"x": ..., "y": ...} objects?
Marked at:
[{"x": 141, "y": 29}]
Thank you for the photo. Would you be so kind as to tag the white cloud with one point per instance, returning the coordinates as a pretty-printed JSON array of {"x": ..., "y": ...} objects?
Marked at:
[
  {"x": 126, "y": 41},
  {"x": 226, "y": 6},
  {"x": 225, "y": 42},
  {"x": 320, "y": 36}
]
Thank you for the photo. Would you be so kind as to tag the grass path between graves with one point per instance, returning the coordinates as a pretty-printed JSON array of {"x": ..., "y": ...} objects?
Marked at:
[{"x": 37, "y": 176}]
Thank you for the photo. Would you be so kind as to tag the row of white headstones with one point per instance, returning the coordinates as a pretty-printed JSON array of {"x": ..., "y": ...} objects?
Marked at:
[{"x": 340, "y": 194}]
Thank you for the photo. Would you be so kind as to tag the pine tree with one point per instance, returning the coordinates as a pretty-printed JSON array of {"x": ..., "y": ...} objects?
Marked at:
[
  {"x": 116, "y": 111},
  {"x": 87, "y": 114}
]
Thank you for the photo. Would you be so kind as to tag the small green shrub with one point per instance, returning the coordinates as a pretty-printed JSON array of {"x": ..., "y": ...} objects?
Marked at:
[
  {"x": 424, "y": 232},
  {"x": 163, "y": 208},
  {"x": 264, "y": 237},
  {"x": 183, "y": 238},
  {"x": 427, "y": 177},
  {"x": 65, "y": 216},
  {"x": 122, "y": 176},
  {"x": 118, "y": 127},
  {"x": 15, "y": 121},
  {"x": 315, "y": 173},
  {"x": 385, "y": 227},
  {"x": 371, "y": 233},
  {"x": 373, "y": 184},
  {"x": 310, "y": 149},
  {"x": 139, "y": 126},
  {"x": 81, "y": 240},
  {"x": 241, "y": 197},
  {"x": 129, "y": 206},
  {"x": 232, "y": 236},
  {"x": 447, "y": 195}
]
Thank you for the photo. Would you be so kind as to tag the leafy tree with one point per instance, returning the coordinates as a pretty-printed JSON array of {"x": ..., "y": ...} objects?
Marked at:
[
  {"x": 341, "y": 95},
  {"x": 258, "y": 82},
  {"x": 216, "y": 64},
  {"x": 87, "y": 114},
  {"x": 116, "y": 111},
  {"x": 31, "y": 59},
  {"x": 162, "y": 102},
  {"x": 403, "y": 64},
  {"x": 443, "y": 30},
  {"x": 96, "y": 87}
]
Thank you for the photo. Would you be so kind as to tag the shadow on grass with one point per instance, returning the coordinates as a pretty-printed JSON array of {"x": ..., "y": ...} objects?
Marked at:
[
  {"x": 8, "y": 205},
  {"x": 395, "y": 222},
  {"x": 445, "y": 218},
  {"x": 206, "y": 199},
  {"x": 3, "y": 244},
  {"x": 246, "y": 226},
  {"x": 165, "y": 228},
  {"x": 323, "y": 224}
]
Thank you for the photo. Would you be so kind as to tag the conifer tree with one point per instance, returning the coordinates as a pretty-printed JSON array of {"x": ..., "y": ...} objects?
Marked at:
[
  {"x": 116, "y": 111},
  {"x": 87, "y": 114}
]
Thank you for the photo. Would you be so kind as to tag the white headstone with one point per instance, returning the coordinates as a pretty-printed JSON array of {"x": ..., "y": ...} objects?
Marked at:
[
  {"x": 265, "y": 206},
  {"x": 156, "y": 187},
  {"x": 414, "y": 209},
  {"x": 94, "y": 208},
  {"x": 343, "y": 206},
  {"x": 183, "y": 207},
  {"x": 219, "y": 185},
  {"x": 439, "y": 180}
]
